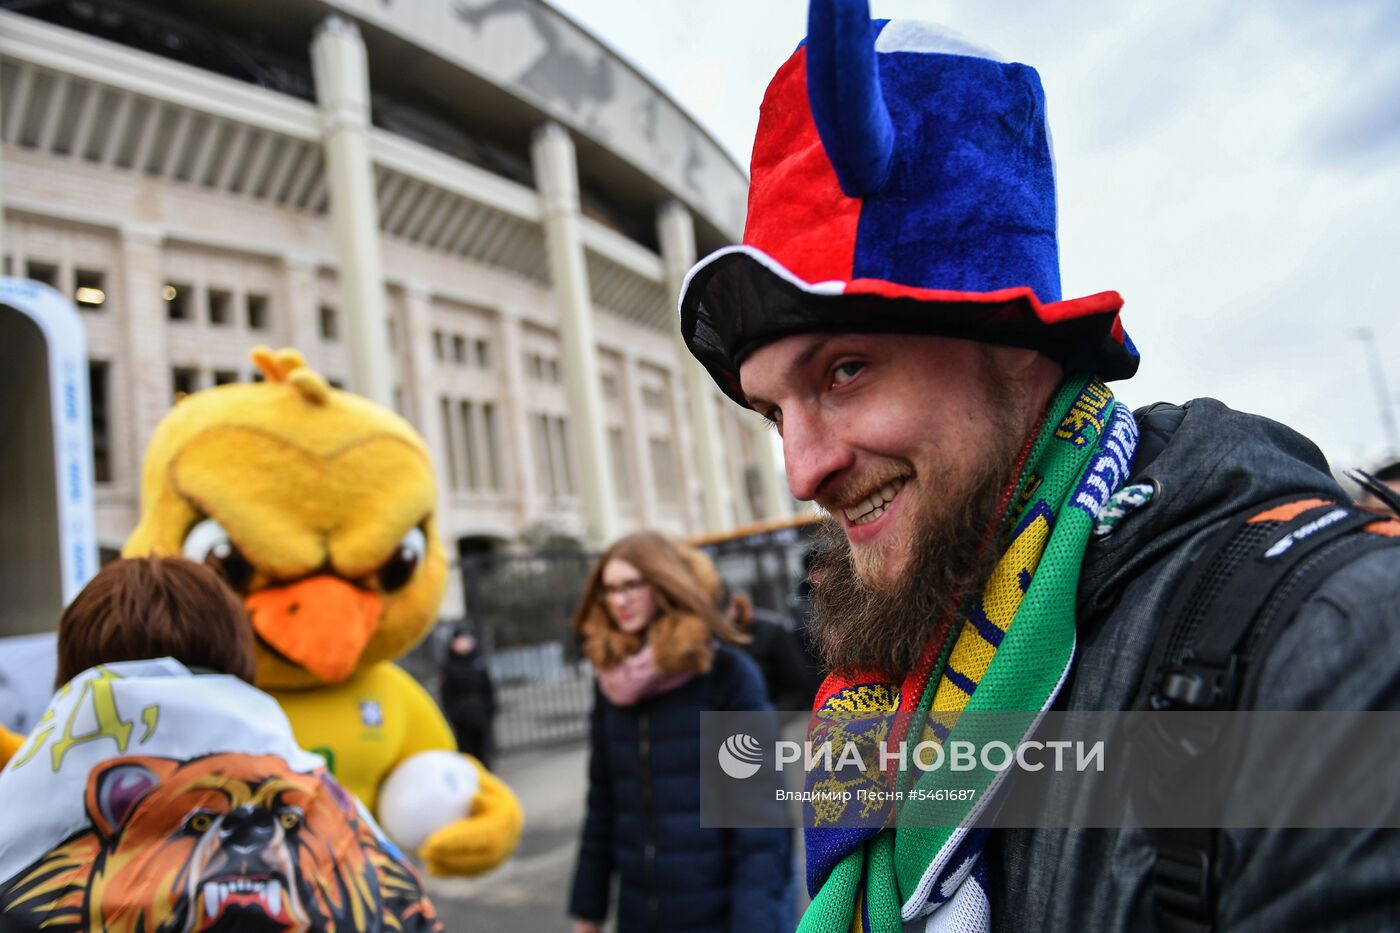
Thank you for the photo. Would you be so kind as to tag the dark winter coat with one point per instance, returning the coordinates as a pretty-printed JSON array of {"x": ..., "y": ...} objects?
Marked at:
[
  {"x": 1341, "y": 651},
  {"x": 469, "y": 702},
  {"x": 643, "y": 819},
  {"x": 791, "y": 682}
]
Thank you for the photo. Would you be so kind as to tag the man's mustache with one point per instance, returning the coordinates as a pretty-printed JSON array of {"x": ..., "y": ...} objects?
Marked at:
[{"x": 852, "y": 490}]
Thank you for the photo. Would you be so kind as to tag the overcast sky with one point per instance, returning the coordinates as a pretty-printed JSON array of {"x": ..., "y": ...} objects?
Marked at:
[{"x": 1232, "y": 168}]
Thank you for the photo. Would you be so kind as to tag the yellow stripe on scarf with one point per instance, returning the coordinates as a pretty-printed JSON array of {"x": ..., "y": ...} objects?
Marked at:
[{"x": 972, "y": 652}]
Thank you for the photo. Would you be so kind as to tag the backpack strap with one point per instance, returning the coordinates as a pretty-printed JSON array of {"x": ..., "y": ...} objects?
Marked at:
[{"x": 1254, "y": 572}]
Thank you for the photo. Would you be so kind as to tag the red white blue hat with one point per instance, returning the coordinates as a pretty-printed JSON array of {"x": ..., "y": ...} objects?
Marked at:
[{"x": 902, "y": 182}]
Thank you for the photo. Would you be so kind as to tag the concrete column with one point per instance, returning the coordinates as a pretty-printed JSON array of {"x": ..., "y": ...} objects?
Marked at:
[
  {"x": 342, "y": 90},
  {"x": 418, "y": 385},
  {"x": 556, "y": 174},
  {"x": 777, "y": 500},
  {"x": 676, "y": 230},
  {"x": 691, "y": 503},
  {"x": 515, "y": 422},
  {"x": 636, "y": 426},
  {"x": 300, "y": 298},
  {"x": 144, "y": 327}
]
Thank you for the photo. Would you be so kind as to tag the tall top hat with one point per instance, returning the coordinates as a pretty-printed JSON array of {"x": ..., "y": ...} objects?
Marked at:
[{"x": 902, "y": 182}]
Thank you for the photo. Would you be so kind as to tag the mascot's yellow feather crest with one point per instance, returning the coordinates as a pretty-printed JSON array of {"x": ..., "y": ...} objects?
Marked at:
[
  {"x": 319, "y": 508},
  {"x": 287, "y": 365}
]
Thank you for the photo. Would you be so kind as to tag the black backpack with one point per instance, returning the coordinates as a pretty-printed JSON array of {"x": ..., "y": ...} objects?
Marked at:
[{"x": 1252, "y": 578}]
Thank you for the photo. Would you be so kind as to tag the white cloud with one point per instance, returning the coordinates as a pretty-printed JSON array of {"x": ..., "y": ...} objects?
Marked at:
[{"x": 1233, "y": 169}]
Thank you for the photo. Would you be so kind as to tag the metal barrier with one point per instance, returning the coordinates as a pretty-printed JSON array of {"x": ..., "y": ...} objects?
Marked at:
[{"x": 521, "y": 606}]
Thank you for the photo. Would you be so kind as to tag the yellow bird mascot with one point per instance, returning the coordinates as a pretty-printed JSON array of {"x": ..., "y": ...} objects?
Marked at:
[{"x": 318, "y": 507}]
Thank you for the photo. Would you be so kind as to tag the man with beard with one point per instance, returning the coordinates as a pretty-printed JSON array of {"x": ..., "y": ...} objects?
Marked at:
[{"x": 1003, "y": 535}]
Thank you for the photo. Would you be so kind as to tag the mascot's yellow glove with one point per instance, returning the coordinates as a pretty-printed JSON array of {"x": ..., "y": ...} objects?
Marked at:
[
  {"x": 9, "y": 744},
  {"x": 484, "y": 839}
]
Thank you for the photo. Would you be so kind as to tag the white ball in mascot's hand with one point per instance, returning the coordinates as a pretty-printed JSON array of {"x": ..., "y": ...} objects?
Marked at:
[{"x": 424, "y": 794}]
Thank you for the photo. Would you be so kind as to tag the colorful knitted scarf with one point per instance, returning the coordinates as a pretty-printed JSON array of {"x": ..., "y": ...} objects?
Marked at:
[{"x": 1009, "y": 650}]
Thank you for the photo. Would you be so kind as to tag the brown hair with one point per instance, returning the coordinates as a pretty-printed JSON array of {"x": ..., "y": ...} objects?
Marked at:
[
  {"x": 734, "y": 606},
  {"x": 154, "y": 607},
  {"x": 688, "y": 617}
]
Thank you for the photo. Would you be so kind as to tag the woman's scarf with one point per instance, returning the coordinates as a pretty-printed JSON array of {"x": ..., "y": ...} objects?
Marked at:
[
  {"x": 1009, "y": 651},
  {"x": 637, "y": 678}
]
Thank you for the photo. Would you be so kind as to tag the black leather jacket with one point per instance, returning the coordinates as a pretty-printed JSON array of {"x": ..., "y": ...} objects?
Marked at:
[{"x": 1340, "y": 651}]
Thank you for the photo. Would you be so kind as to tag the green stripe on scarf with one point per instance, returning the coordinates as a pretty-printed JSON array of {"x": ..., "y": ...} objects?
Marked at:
[{"x": 1023, "y": 672}]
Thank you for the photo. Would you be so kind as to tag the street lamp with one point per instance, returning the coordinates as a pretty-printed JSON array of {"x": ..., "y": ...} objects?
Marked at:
[{"x": 1387, "y": 408}]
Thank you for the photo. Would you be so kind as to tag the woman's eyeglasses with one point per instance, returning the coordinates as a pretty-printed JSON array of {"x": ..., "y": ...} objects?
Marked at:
[{"x": 626, "y": 588}]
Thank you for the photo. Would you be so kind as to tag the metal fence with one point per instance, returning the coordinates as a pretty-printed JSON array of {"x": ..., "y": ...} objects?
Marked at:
[{"x": 521, "y": 606}]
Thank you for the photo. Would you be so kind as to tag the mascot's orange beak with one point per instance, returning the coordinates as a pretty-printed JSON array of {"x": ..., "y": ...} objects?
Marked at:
[{"x": 320, "y": 623}]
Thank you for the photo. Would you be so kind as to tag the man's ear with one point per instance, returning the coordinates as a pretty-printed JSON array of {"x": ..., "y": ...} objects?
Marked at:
[
  {"x": 1040, "y": 374},
  {"x": 1015, "y": 362}
]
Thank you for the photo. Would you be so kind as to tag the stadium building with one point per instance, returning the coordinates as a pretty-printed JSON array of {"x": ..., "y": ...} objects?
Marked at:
[{"x": 471, "y": 210}]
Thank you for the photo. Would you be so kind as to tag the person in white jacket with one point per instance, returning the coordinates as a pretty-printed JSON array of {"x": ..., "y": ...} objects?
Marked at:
[{"x": 160, "y": 784}]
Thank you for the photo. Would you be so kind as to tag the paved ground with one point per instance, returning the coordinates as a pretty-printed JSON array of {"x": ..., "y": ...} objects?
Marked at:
[{"x": 529, "y": 893}]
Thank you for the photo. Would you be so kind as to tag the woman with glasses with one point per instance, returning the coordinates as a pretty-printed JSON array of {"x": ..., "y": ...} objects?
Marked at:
[{"x": 663, "y": 653}]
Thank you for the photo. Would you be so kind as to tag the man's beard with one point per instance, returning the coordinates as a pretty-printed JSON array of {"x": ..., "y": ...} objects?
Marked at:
[{"x": 858, "y": 624}]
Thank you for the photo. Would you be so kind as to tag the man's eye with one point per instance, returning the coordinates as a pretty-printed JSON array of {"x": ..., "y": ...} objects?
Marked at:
[
  {"x": 845, "y": 372},
  {"x": 774, "y": 416}
]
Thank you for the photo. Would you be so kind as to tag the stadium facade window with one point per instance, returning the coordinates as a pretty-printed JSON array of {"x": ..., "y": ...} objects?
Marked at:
[
  {"x": 545, "y": 477},
  {"x": 466, "y": 413},
  {"x": 492, "y": 446},
  {"x": 90, "y": 289},
  {"x": 46, "y": 272},
  {"x": 330, "y": 323},
  {"x": 177, "y": 297},
  {"x": 621, "y": 465},
  {"x": 220, "y": 307},
  {"x": 564, "y": 451},
  {"x": 663, "y": 470},
  {"x": 100, "y": 417},
  {"x": 449, "y": 441},
  {"x": 257, "y": 308},
  {"x": 184, "y": 380}
]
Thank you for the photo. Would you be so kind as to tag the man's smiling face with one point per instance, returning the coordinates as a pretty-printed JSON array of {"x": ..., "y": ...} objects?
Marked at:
[
  {"x": 912, "y": 444},
  {"x": 887, "y": 432}
]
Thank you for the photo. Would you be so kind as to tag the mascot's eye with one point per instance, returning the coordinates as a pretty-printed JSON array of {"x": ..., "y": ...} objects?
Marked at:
[
  {"x": 208, "y": 543},
  {"x": 407, "y": 556},
  {"x": 290, "y": 818},
  {"x": 200, "y": 822}
]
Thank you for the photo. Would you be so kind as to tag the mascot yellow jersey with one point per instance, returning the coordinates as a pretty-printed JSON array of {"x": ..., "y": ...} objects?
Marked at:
[{"x": 317, "y": 506}]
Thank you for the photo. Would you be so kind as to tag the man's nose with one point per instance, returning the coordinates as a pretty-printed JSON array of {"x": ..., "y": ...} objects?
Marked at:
[{"x": 813, "y": 455}]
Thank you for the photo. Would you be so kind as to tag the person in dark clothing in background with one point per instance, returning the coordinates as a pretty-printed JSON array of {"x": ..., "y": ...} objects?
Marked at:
[
  {"x": 468, "y": 696},
  {"x": 799, "y": 607},
  {"x": 790, "y": 679},
  {"x": 792, "y": 682},
  {"x": 663, "y": 654}
]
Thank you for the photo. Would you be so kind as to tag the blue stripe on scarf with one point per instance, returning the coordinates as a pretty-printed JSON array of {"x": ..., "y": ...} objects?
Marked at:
[
  {"x": 826, "y": 847},
  {"x": 985, "y": 627},
  {"x": 960, "y": 680}
]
